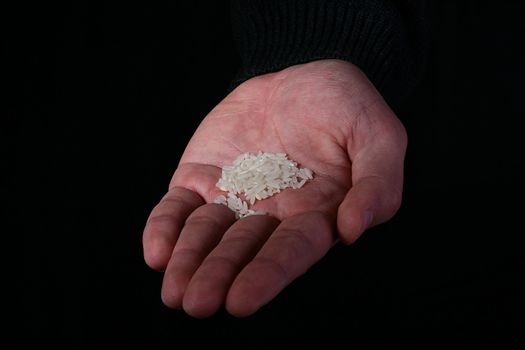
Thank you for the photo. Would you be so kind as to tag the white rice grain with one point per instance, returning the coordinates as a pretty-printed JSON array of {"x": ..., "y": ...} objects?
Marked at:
[{"x": 257, "y": 177}]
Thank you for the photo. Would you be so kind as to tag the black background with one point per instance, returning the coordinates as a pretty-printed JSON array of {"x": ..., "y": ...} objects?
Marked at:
[{"x": 102, "y": 98}]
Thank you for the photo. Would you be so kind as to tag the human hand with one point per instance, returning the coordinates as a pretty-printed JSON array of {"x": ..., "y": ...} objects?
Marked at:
[{"x": 327, "y": 116}]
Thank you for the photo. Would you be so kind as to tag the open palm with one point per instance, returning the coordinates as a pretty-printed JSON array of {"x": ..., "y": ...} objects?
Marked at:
[{"x": 325, "y": 115}]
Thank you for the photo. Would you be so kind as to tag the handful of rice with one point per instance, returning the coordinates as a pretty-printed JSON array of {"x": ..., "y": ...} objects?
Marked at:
[{"x": 257, "y": 177}]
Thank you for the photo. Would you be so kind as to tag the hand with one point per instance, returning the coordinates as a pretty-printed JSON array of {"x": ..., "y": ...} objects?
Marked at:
[{"x": 327, "y": 116}]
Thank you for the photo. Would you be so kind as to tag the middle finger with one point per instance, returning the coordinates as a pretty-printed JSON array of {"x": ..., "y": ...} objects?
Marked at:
[{"x": 209, "y": 285}]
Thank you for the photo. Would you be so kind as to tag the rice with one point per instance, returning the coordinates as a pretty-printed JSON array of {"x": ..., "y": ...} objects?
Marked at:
[{"x": 257, "y": 177}]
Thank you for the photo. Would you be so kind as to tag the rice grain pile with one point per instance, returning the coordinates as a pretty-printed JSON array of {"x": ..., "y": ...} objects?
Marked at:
[{"x": 258, "y": 176}]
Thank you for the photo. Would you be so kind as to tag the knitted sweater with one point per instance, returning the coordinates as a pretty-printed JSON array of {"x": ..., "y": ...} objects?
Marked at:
[{"x": 386, "y": 39}]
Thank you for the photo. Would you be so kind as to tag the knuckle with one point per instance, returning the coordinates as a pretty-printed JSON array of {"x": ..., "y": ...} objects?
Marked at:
[
  {"x": 272, "y": 265},
  {"x": 201, "y": 220},
  {"x": 215, "y": 260},
  {"x": 159, "y": 224},
  {"x": 298, "y": 238},
  {"x": 242, "y": 238}
]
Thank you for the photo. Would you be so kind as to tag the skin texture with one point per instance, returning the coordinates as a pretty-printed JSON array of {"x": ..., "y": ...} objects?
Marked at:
[{"x": 327, "y": 116}]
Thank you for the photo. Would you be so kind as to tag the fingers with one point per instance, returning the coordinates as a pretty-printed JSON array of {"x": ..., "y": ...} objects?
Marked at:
[
  {"x": 377, "y": 184},
  {"x": 209, "y": 286},
  {"x": 192, "y": 185},
  {"x": 165, "y": 223},
  {"x": 369, "y": 202},
  {"x": 201, "y": 233},
  {"x": 297, "y": 243}
]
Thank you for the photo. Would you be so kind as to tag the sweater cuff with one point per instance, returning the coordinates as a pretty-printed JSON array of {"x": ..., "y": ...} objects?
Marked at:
[{"x": 274, "y": 34}]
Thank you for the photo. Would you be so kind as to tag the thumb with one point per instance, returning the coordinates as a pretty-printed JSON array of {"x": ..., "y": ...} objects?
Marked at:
[{"x": 377, "y": 182}]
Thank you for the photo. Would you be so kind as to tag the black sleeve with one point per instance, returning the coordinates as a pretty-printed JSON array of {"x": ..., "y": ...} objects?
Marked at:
[{"x": 384, "y": 38}]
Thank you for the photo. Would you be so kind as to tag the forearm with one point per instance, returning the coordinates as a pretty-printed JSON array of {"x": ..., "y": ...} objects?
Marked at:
[{"x": 383, "y": 38}]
